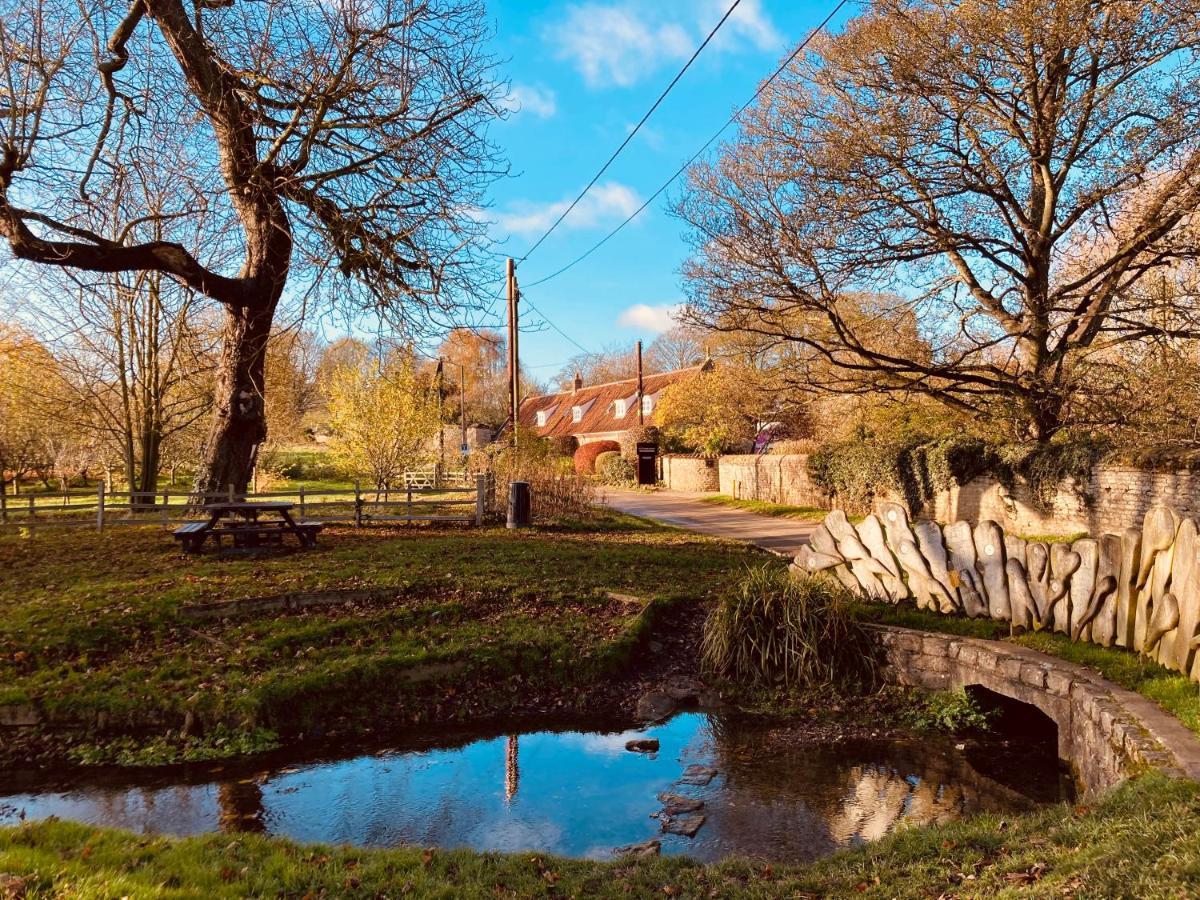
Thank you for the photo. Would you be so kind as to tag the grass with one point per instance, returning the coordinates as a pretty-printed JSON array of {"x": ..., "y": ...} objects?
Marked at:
[
  {"x": 1173, "y": 691},
  {"x": 766, "y": 508},
  {"x": 93, "y": 629},
  {"x": 1142, "y": 840}
]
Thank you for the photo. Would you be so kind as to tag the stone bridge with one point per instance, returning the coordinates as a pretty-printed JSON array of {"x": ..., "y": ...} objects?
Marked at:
[{"x": 1106, "y": 732}]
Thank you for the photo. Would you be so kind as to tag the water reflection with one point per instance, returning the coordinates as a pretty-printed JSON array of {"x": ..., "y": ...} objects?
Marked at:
[{"x": 569, "y": 792}]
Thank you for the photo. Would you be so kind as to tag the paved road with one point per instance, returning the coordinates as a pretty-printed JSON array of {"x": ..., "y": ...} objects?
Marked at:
[{"x": 772, "y": 533}]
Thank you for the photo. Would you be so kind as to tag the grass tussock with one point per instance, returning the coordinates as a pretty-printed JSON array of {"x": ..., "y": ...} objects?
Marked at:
[{"x": 776, "y": 630}]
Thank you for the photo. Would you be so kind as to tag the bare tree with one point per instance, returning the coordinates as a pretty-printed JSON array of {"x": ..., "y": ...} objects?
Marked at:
[
  {"x": 935, "y": 173},
  {"x": 678, "y": 347},
  {"x": 340, "y": 137}
]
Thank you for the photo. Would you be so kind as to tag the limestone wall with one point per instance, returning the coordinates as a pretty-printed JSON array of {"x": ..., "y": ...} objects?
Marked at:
[
  {"x": 776, "y": 479},
  {"x": 1106, "y": 732},
  {"x": 1113, "y": 498},
  {"x": 690, "y": 473}
]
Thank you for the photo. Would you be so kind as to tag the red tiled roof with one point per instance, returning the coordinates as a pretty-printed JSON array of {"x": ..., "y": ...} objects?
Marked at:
[{"x": 599, "y": 405}]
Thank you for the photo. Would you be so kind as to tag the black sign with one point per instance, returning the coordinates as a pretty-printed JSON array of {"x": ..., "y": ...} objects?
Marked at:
[{"x": 647, "y": 469}]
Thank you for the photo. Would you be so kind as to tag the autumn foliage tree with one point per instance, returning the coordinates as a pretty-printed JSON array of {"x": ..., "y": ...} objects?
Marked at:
[
  {"x": 943, "y": 163},
  {"x": 383, "y": 415},
  {"x": 341, "y": 142}
]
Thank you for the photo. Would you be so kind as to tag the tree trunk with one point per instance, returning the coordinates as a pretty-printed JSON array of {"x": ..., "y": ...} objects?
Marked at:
[{"x": 239, "y": 425}]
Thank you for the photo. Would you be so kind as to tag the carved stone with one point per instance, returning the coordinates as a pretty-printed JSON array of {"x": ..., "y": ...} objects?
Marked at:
[
  {"x": 1021, "y": 602},
  {"x": 1131, "y": 550},
  {"x": 1064, "y": 563},
  {"x": 1163, "y": 621},
  {"x": 1104, "y": 622},
  {"x": 961, "y": 546},
  {"x": 929, "y": 540},
  {"x": 870, "y": 533},
  {"x": 989, "y": 556},
  {"x": 1185, "y": 585},
  {"x": 1082, "y": 587},
  {"x": 1101, "y": 599}
]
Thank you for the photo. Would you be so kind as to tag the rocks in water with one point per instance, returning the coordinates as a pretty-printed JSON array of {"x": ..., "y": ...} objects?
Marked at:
[
  {"x": 642, "y": 745},
  {"x": 651, "y": 847},
  {"x": 677, "y": 804},
  {"x": 654, "y": 706},
  {"x": 683, "y": 689},
  {"x": 686, "y": 825},
  {"x": 698, "y": 775}
]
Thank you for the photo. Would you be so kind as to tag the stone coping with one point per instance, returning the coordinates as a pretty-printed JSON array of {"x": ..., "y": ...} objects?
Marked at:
[{"x": 1106, "y": 732}]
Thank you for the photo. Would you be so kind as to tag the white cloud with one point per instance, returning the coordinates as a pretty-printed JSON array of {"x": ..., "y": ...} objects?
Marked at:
[
  {"x": 749, "y": 21},
  {"x": 607, "y": 202},
  {"x": 645, "y": 317},
  {"x": 537, "y": 101},
  {"x": 620, "y": 43}
]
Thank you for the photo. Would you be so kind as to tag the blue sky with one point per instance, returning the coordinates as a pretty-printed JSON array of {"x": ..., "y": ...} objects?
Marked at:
[{"x": 582, "y": 74}]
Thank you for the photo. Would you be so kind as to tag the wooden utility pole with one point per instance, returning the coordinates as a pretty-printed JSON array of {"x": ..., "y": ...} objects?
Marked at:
[
  {"x": 641, "y": 405},
  {"x": 441, "y": 394},
  {"x": 514, "y": 357},
  {"x": 462, "y": 407}
]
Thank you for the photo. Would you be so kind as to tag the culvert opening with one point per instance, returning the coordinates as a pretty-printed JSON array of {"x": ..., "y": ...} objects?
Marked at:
[{"x": 1025, "y": 733}]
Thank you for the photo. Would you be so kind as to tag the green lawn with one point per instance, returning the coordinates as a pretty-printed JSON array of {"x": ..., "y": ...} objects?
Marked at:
[
  {"x": 93, "y": 628},
  {"x": 1142, "y": 840},
  {"x": 1173, "y": 691},
  {"x": 765, "y": 508}
]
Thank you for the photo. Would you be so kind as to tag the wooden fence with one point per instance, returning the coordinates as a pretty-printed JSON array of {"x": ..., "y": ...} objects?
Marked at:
[{"x": 459, "y": 499}]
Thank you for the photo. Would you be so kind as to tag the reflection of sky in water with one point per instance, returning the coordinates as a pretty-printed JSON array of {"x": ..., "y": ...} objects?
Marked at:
[{"x": 578, "y": 794}]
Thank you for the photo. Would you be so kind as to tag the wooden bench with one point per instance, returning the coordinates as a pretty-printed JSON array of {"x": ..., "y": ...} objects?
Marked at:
[{"x": 192, "y": 535}]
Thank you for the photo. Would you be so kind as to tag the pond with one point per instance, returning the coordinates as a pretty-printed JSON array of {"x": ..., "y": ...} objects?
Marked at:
[{"x": 765, "y": 794}]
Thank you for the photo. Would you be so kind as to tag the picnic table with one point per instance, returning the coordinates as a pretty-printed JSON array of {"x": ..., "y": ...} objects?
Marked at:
[{"x": 243, "y": 523}]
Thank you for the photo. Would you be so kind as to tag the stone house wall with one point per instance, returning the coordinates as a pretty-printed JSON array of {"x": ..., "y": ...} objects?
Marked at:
[{"x": 690, "y": 473}]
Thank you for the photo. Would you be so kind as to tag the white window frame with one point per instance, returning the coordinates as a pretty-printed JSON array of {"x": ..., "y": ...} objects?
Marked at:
[
  {"x": 647, "y": 404},
  {"x": 541, "y": 418},
  {"x": 576, "y": 413},
  {"x": 620, "y": 408}
]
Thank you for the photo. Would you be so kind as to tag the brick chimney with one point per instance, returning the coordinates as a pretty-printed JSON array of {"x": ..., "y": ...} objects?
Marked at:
[{"x": 578, "y": 382}]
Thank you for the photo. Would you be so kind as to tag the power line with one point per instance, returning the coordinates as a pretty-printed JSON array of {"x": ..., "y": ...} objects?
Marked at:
[
  {"x": 762, "y": 87},
  {"x": 548, "y": 321},
  {"x": 629, "y": 137}
]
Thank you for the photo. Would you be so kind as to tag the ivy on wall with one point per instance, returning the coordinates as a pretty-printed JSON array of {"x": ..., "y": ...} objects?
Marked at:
[{"x": 856, "y": 472}]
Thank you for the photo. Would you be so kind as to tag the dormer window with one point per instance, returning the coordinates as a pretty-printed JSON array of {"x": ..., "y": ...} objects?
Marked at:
[
  {"x": 647, "y": 404},
  {"x": 576, "y": 413},
  {"x": 541, "y": 418},
  {"x": 620, "y": 408}
]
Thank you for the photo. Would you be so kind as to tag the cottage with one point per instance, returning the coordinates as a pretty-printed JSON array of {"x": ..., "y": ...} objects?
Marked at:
[{"x": 602, "y": 412}]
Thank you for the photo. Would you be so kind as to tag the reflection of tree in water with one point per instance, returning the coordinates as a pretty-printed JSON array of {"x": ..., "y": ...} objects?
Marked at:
[{"x": 241, "y": 805}]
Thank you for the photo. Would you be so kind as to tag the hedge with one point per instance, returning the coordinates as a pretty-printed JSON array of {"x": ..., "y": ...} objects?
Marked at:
[{"x": 585, "y": 456}]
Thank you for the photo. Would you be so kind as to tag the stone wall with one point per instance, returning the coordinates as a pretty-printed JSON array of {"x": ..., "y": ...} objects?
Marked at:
[
  {"x": 775, "y": 478},
  {"x": 1104, "y": 731},
  {"x": 1113, "y": 498},
  {"x": 690, "y": 473}
]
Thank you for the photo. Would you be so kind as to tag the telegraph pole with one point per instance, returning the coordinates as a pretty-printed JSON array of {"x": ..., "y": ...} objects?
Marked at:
[
  {"x": 441, "y": 394},
  {"x": 641, "y": 405},
  {"x": 514, "y": 357},
  {"x": 462, "y": 406}
]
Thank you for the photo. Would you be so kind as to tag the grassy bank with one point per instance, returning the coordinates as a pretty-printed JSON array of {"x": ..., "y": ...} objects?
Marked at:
[
  {"x": 765, "y": 508},
  {"x": 95, "y": 635},
  {"x": 1142, "y": 840},
  {"x": 1173, "y": 691}
]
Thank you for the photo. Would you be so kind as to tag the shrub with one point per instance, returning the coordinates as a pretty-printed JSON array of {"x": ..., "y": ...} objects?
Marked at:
[
  {"x": 611, "y": 468},
  {"x": 856, "y": 472},
  {"x": 563, "y": 444},
  {"x": 778, "y": 630},
  {"x": 1046, "y": 466},
  {"x": 585, "y": 456},
  {"x": 951, "y": 711}
]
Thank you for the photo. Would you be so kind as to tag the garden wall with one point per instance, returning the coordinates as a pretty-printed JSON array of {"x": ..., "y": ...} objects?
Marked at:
[
  {"x": 1113, "y": 498},
  {"x": 776, "y": 479},
  {"x": 690, "y": 473}
]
